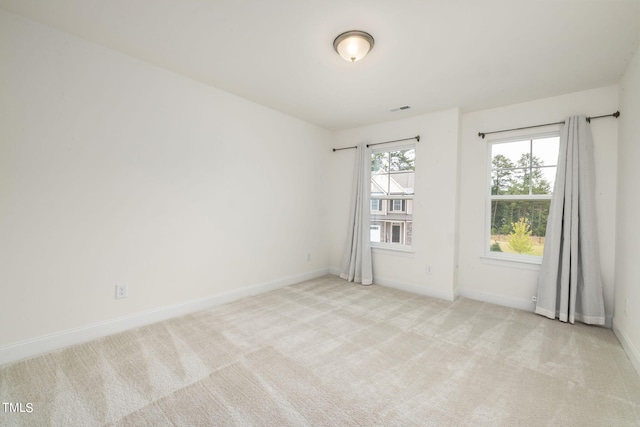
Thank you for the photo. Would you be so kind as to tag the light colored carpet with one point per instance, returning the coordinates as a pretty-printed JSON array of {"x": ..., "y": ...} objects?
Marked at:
[{"x": 331, "y": 353}]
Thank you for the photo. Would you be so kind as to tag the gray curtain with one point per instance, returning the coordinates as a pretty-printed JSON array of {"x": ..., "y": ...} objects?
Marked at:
[
  {"x": 356, "y": 264},
  {"x": 570, "y": 281}
]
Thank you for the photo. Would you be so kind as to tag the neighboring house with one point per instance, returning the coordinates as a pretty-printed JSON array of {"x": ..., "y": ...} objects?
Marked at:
[{"x": 392, "y": 218}]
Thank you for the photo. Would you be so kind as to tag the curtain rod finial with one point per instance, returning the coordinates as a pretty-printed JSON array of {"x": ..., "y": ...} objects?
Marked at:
[
  {"x": 616, "y": 114},
  {"x": 418, "y": 138},
  {"x": 481, "y": 135}
]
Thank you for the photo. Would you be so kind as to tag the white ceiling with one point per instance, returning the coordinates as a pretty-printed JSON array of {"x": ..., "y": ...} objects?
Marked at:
[{"x": 428, "y": 54}]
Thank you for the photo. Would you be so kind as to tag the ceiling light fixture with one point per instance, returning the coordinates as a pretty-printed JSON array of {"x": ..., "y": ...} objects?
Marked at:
[{"x": 353, "y": 45}]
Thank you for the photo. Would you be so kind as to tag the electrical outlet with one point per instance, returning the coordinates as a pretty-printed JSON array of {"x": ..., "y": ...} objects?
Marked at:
[
  {"x": 428, "y": 269},
  {"x": 534, "y": 298},
  {"x": 122, "y": 291},
  {"x": 308, "y": 256}
]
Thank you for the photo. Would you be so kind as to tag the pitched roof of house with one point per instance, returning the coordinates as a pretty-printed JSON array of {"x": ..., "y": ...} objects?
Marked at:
[{"x": 401, "y": 183}]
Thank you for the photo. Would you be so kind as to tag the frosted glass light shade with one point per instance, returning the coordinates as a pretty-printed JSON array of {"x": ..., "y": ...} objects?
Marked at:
[{"x": 353, "y": 45}]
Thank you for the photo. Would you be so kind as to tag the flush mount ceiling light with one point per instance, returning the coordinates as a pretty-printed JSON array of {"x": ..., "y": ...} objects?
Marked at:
[{"x": 353, "y": 45}]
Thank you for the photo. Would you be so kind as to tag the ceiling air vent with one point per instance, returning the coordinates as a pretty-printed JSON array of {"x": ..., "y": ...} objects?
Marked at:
[{"x": 404, "y": 107}]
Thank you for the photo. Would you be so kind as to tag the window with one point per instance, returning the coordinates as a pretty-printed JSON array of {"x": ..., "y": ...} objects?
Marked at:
[
  {"x": 375, "y": 232},
  {"x": 392, "y": 182},
  {"x": 521, "y": 185},
  {"x": 397, "y": 205}
]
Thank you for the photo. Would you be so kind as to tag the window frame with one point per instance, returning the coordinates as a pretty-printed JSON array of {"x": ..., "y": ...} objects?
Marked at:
[
  {"x": 401, "y": 247},
  {"x": 393, "y": 205},
  {"x": 487, "y": 252}
]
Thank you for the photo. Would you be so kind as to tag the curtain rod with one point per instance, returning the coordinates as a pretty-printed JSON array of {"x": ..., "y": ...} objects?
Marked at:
[
  {"x": 483, "y": 134},
  {"x": 417, "y": 138},
  {"x": 345, "y": 148}
]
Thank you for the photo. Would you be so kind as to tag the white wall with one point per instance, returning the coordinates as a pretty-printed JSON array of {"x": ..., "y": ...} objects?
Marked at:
[
  {"x": 513, "y": 284},
  {"x": 115, "y": 171},
  {"x": 434, "y": 202},
  {"x": 626, "y": 319}
]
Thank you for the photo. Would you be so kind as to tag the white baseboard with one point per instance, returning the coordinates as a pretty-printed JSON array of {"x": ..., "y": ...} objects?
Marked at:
[
  {"x": 408, "y": 287},
  {"x": 519, "y": 303},
  {"x": 43, "y": 344},
  {"x": 416, "y": 289},
  {"x": 627, "y": 345}
]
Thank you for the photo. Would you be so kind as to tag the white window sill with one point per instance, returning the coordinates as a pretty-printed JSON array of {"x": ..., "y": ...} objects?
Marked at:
[
  {"x": 396, "y": 250},
  {"x": 523, "y": 263}
]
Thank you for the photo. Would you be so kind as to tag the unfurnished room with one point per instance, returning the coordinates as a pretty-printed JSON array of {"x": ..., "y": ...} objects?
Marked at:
[{"x": 319, "y": 213}]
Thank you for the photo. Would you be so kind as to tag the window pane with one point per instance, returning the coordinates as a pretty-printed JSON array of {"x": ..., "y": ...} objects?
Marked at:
[
  {"x": 546, "y": 150},
  {"x": 500, "y": 181},
  {"x": 519, "y": 226},
  {"x": 379, "y": 162},
  {"x": 401, "y": 183},
  {"x": 512, "y": 182},
  {"x": 392, "y": 213},
  {"x": 402, "y": 160},
  {"x": 380, "y": 183},
  {"x": 508, "y": 155},
  {"x": 543, "y": 180},
  {"x": 410, "y": 155}
]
